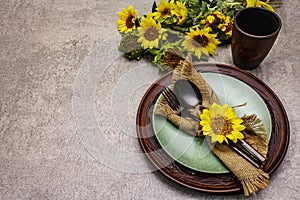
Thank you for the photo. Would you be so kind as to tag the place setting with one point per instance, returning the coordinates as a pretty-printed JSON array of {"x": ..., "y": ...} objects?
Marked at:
[{"x": 211, "y": 127}]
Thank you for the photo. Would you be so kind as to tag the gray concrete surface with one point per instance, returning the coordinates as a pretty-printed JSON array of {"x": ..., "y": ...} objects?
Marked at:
[{"x": 58, "y": 59}]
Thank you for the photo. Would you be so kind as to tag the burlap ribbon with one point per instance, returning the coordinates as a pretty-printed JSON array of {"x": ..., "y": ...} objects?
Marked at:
[{"x": 251, "y": 178}]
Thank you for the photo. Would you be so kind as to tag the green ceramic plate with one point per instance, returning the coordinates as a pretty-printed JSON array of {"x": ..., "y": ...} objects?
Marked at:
[{"x": 193, "y": 152}]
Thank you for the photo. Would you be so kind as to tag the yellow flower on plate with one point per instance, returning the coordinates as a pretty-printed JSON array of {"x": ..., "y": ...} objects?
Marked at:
[
  {"x": 150, "y": 32},
  {"x": 164, "y": 9},
  {"x": 201, "y": 41},
  {"x": 181, "y": 12},
  {"x": 127, "y": 19},
  {"x": 259, "y": 3},
  {"x": 221, "y": 123}
]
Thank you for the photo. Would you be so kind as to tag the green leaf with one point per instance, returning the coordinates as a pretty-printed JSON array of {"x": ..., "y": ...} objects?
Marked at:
[
  {"x": 137, "y": 22},
  {"x": 154, "y": 6},
  {"x": 197, "y": 7},
  {"x": 230, "y": 13},
  {"x": 221, "y": 34},
  {"x": 214, "y": 3},
  {"x": 137, "y": 55},
  {"x": 201, "y": 26},
  {"x": 204, "y": 7}
]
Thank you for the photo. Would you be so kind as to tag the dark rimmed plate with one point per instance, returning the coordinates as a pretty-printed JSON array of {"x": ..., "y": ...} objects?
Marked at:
[{"x": 209, "y": 182}]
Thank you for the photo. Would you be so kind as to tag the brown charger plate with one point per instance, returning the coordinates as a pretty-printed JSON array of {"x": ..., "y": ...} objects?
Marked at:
[{"x": 213, "y": 183}]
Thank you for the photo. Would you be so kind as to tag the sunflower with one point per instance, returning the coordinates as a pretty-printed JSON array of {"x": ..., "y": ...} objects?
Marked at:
[
  {"x": 221, "y": 123},
  {"x": 181, "y": 12},
  {"x": 201, "y": 41},
  {"x": 164, "y": 10},
  {"x": 227, "y": 26},
  {"x": 169, "y": 58},
  {"x": 213, "y": 19},
  {"x": 172, "y": 57},
  {"x": 130, "y": 46},
  {"x": 127, "y": 19},
  {"x": 150, "y": 32},
  {"x": 258, "y": 3}
]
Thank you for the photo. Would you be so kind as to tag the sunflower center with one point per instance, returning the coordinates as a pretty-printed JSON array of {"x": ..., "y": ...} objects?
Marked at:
[
  {"x": 129, "y": 23},
  {"x": 200, "y": 41},
  {"x": 172, "y": 58},
  {"x": 151, "y": 34},
  {"x": 166, "y": 12},
  {"x": 221, "y": 126}
]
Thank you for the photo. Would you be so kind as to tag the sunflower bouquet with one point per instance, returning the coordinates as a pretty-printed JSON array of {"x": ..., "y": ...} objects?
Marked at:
[{"x": 176, "y": 28}]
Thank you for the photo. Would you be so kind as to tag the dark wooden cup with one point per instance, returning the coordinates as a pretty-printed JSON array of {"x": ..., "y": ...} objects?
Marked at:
[{"x": 254, "y": 33}]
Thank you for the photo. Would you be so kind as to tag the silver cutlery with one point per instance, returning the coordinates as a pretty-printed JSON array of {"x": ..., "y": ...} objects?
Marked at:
[
  {"x": 242, "y": 148},
  {"x": 175, "y": 105}
]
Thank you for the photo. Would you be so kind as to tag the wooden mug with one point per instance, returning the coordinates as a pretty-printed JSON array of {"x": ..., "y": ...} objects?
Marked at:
[{"x": 254, "y": 33}]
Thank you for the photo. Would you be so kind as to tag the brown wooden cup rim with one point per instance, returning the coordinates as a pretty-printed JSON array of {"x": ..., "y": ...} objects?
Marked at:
[
  {"x": 274, "y": 14},
  {"x": 205, "y": 182}
]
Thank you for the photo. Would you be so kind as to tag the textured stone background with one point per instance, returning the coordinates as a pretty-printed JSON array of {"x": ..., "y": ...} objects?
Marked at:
[{"x": 45, "y": 46}]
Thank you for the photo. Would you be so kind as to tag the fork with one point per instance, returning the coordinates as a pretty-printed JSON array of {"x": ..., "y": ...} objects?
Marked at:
[
  {"x": 242, "y": 148},
  {"x": 175, "y": 105}
]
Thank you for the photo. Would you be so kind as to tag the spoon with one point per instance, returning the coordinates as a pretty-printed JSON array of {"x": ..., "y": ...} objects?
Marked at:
[{"x": 188, "y": 94}]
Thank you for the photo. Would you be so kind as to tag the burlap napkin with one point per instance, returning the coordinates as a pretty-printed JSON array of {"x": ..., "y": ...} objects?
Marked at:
[{"x": 251, "y": 178}]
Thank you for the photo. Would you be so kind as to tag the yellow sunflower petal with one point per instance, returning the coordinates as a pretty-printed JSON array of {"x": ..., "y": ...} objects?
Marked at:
[
  {"x": 205, "y": 128},
  {"x": 237, "y": 134},
  {"x": 214, "y": 108},
  {"x": 180, "y": 11},
  {"x": 221, "y": 138},
  {"x": 232, "y": 138},
  {"x": 237, "y": 121},
  {"x": 239, "y": 127},
  {"x": 210, "y": 19},
  {"x": 204, "y": 122},
  {"x": 224, "y": 108},
  {"x": 214, "y": 138}
]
